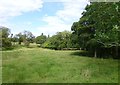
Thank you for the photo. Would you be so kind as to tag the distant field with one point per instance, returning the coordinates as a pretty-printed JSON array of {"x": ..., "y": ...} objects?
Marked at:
[{"x": 37, "y": 65}]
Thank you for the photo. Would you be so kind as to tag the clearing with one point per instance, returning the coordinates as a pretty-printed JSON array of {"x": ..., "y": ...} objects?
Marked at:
[{"x": 37, "y": 65}]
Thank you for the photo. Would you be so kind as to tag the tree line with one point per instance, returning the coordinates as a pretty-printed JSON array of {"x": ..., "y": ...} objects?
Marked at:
[
  {"x": 97, "y": 32},
  {"x": 59, "y": 41}
]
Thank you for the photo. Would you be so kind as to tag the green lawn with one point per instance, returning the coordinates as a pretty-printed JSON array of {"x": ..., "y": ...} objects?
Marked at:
[{"x": 37, "y": 65}]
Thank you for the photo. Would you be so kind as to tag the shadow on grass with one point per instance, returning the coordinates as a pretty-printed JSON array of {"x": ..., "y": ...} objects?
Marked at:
[
  {"x": 6, "y": 49},
  {"x": 87, "y": 54},
  {"x": 81, "y": 53},
  {"x": 30, "y": 47}
]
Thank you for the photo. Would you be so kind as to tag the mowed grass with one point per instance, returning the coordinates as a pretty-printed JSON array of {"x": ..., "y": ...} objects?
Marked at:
[{"x": 37, "y": 65}]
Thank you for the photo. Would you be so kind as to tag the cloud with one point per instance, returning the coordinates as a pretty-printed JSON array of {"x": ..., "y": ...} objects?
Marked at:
[
  {"x": 64, "y": 18},
  {"x": 11, "y": 8},
  {"x": 54, "y": 24},
  {"x": 72, "y": 10}
]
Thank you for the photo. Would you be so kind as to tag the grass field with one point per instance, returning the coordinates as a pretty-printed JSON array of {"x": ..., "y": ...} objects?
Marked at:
[{"x": 37, "y": 65}]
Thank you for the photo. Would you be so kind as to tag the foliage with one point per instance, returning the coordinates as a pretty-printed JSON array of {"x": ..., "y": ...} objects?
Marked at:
[
  {"x": 20, "y": 37},
  {"x": 26, "y": 37},
  {"x": 5, "y": 32},
  {"x": 41, "y": 39},
  {"x": 5, "y": 41},
  {"x": 59, "y": 41},
  {"x": 15, "y": 39},
  {"x": 98, "y": 29}
]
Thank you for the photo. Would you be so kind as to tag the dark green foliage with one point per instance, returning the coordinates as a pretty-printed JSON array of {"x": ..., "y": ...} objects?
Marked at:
[
  {"x": 5, "y": 40},
  {"x": 41, "y": 39},
  {"x": 59, "y": 41},
  {"x": 98, "y": 29}
]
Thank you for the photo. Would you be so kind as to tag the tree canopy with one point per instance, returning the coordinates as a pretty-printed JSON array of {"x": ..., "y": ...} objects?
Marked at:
[
  {"x": 98, "y": 29},
  {"x": 59, "y": 41},
  {"x": 41, "y": 39},
  {"x": 5, "y": 41}
]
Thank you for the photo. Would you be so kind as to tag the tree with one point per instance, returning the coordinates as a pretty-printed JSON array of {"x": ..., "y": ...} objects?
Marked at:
[
  {"x": 26, "y": 37},
  {"x": 97, "y": 30},
  {"x": 41, "y": 39},
  {"x": 6, "y": 41},
  {"x": 20, "y": 37},
  {"x": 15, "y": 38},
  {"x": 59, "y": 41},
  {"x": 107, "y": 22},
  {"x": 5, "y": 32}
]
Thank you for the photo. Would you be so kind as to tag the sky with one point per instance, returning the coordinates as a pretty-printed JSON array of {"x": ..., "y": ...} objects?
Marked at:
[{"x": 40, "y": 16}]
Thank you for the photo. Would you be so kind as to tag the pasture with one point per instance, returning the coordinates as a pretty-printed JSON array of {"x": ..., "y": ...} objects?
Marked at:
[{"x": 38, "y": 65}]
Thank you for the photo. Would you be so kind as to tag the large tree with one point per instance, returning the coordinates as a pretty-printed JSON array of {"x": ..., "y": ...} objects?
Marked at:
[
  {"x": 5, "y": 41},
  {"x": 98, "y": 29}
]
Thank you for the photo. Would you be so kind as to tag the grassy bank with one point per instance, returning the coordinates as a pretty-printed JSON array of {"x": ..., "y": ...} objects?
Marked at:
[{"x": 37, "y": 65}]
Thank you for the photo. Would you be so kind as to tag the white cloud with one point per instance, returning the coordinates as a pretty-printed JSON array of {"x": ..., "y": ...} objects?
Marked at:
[
  {"x": 54, "y": 24},
  {"x": 64, "y": 18},
  {"x": 72, "y": 10},
  {"x": 11, "y": 8},
  {"x": 15, "y": 28}
]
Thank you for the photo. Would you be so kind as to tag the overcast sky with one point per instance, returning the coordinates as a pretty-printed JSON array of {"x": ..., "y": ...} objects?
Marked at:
[{"x": 40, "y": 16}]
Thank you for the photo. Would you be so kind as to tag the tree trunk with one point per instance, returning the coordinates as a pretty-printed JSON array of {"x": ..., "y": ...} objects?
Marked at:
[
  {"x": 95, "y": 54},
  {"x": 116, "y": 55}
]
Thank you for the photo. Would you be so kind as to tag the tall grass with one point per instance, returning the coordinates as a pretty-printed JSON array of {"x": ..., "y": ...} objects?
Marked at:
[{"x": 39, "y": 65}]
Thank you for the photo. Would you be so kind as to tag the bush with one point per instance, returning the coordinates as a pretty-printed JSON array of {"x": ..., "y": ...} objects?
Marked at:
[{"x": 6, "y": 43}]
